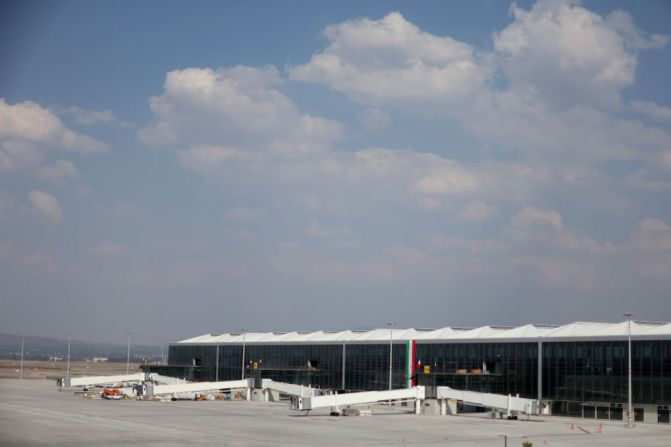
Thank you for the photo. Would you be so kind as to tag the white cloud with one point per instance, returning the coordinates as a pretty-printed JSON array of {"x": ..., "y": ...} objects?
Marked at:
[
  {"x": 47, "y": 205},
  {"x": 390, "y": 60},
  {"x": 623, "y": 23},
  {"x": 522, "y": 122},
  {"x": 29, "y": 122},
  {"x": 537, "y": 232},
  {"x": 87, "y": 117},
  {"x": 19, "y": 155},
  {"x": 562, "y": 65},
  {"x": 240, "y": 107},
  {"x": 206, "y": 158},
  {"x": 59, "y": 170},
  {"x": 652, "y": 225},
  {"x": 570, "y": 54},
  {"x": 652, "y": 110},
  {"x": 450, "y": 179},
  {"x": 477, "y": 211}
]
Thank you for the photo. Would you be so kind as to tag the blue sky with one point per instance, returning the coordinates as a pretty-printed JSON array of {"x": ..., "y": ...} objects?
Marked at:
[{"x": 175, "y": 168}]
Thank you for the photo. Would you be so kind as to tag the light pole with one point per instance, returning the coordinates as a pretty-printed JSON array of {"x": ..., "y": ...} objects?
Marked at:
[
  {"x": 629, "y": 409},
  {"x": 128, "y": 354},
  {"x": 67, "y": 365},
  {"x": 391, "y": 350},
  {"x": 244, "y": 333},
  {"x": 23, "y": 340}
]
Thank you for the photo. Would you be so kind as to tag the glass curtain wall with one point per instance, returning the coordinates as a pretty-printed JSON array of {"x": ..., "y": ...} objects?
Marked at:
[
  {"x": 367, "y": 365},
  {"x": 316, "y": 365},
  {"x": 597, "y": 371},
  {"x": 501, "y": 368},
  {"x": 573, "y": 372}
]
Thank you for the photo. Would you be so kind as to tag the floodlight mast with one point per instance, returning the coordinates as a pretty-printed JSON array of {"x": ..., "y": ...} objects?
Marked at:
[
  {"x": 23, "y": 340},
  {"x": 67, "y": 366},
  {"x": 128, "y": 354},
  {"x": 391, "y": 350},
  {"x": 629, "y": 408},
  {"x": 244, "y": 333}
]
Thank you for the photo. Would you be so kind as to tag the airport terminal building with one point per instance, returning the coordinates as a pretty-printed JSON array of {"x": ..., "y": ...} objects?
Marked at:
[{"x": 581, "y": 368}]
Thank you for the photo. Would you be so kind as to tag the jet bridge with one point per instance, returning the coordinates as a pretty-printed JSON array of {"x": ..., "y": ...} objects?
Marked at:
[
  {"x": 268, "y": 385},
  {"x": 124, "y": 378},
  {"x": 195, "y": 387},
  {"x": 509, "y": 406},
  {"x": 335, "y": 401},
  {"x": 102, "y": 380}
]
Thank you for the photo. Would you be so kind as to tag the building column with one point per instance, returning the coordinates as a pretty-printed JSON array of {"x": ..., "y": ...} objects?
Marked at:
[
  {"x": 216, "y": 374},
  {"x": 540, "y": 370},
  {"x": 343, "y": 366}
]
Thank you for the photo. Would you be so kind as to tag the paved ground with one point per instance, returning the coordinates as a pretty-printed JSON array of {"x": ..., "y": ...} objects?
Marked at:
[{"x": 35, "y": 413}]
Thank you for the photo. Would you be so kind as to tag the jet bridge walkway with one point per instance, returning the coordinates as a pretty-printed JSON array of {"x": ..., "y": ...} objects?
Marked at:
[
  {"x": 336, "y": 401},
  {"x": 196, "y": 387},
  {"x": 289, "y": 389},
  {"x": 102, "y": 380},
  {"x": 509, "y": 406},
  {"x": 122, "y": 378}
]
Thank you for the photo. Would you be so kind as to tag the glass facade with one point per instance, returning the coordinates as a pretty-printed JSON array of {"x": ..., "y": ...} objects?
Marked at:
[
  {"x": 501, "y": 368},
  {"x": 597, "y": 371},
  {"x": 579, "y": 376},
  {"x": 366, "y": 365}
]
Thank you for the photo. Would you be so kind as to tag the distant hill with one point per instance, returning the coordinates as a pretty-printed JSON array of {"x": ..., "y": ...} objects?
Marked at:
[{"x": 43, "y": 348}]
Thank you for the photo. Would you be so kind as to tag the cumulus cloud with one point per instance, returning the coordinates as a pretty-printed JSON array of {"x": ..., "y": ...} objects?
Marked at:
[
  {"x": 240, "y": 107},
  {"x": 47, "y": 205},
  {"x": 652, "y": 110},
  {"x": 570, "y": 54},
  {"x": 391, "y": 60},
  {"x": 30, "y": 134},
  {"x": 88, "y": 117},
  {"x": 206, "y": 158},
  {"x": 29, "y": 122},
  {"x": 19, "y": 155},
  {"x": 550, "y": 102},
  {"x": 237, "y": 126},
  {"x": 446, "y": 177}
]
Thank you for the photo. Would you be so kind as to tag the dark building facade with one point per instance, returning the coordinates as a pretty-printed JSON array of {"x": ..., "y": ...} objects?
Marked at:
[{"x": 581, "y": 368}]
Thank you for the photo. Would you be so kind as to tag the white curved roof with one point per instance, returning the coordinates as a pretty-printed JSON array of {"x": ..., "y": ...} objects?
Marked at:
[{"x": 527, "y": 332}]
